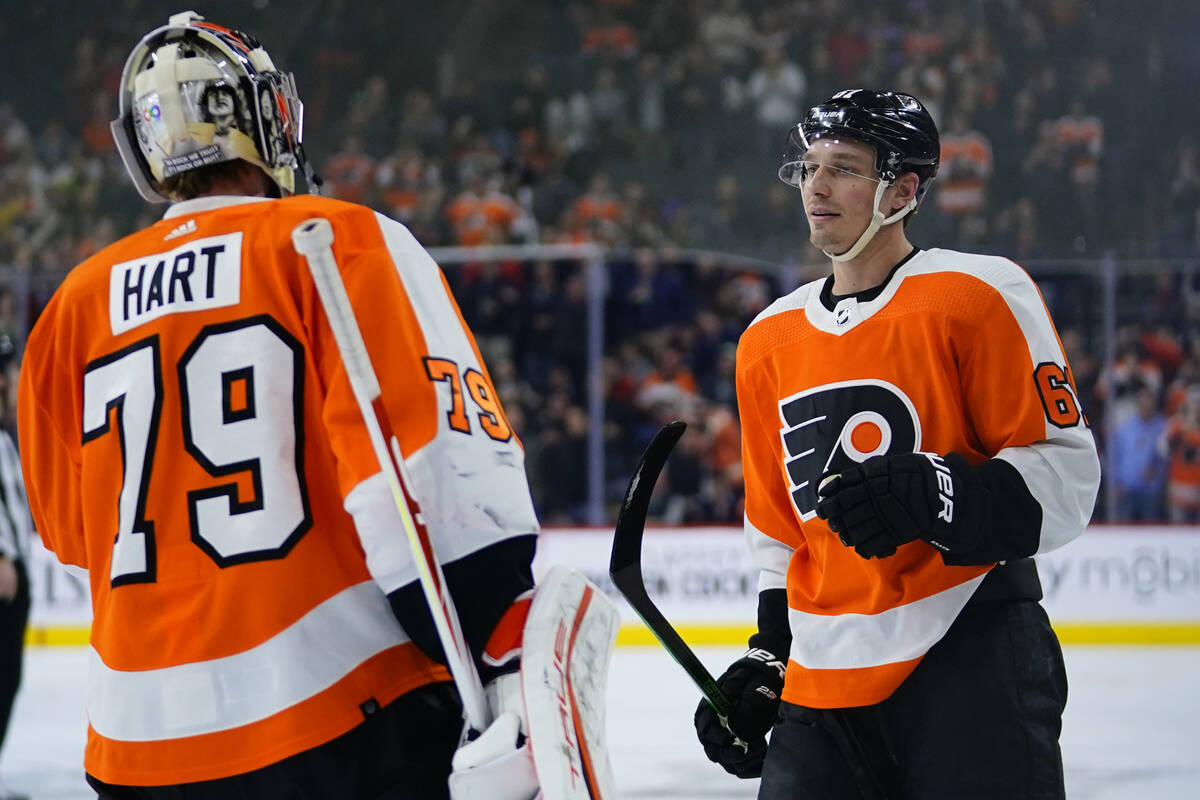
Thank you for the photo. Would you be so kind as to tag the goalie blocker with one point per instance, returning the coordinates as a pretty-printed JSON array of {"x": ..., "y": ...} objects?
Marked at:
[{"x": 548, "y": 732}]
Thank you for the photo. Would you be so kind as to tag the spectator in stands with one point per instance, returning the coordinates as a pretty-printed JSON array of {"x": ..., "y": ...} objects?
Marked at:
[
  {"x": 484, "y": 213},
  {"x": 1184, "y": 198},
  {"x": 727, "y": 31},
  {"x": 420, "y": 123},
  {"x": 1013, "y": 135},
  {"x": 369, "y": 114},
  {"x": 568, "y": 343},
  {"x": 962, "y": 187},
  {"x": 1129, "y": 373},
  {"x": 1081, "y": 137},
  {"x": 568, "y": 124},
  {"x": 1137, "y": 464},
  {"x": 650, "y": 111},
  {"x": 717, "y": 222},
  {"x": 599, "y": 202},
  {"x": 1182, "y": 445},
  {"x": 777, "y": 89},
  {"x": 350, "y": 172},
  {"x": 848, "y": 49},
  {"x": 606, "y": 35},
  {"x": 669, "y": 383},
  {"x": 650, "y": 295},
  {"x": 398, "y": 183},
  {"x": 562, "y": 477}
]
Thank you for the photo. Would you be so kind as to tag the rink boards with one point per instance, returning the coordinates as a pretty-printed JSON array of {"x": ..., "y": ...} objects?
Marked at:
[{"x": 1114, "y": 585}]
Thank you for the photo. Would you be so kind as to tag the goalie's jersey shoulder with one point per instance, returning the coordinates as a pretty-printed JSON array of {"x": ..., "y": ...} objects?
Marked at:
[{"x": 266, "y": 218}]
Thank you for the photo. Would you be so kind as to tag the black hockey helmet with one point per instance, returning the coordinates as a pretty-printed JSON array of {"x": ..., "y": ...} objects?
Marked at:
[{"x": 896, "y": 125}]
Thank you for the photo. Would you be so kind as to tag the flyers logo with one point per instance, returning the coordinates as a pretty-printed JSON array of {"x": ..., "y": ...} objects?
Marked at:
[{"x": 831, "y": 427}]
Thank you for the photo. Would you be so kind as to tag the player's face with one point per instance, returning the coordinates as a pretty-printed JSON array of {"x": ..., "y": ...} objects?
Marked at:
[{"x": 839, "y": 192}]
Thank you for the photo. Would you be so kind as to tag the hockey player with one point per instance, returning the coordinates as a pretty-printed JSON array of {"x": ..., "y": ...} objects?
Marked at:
[
  {"x": 190, "y": 438},
  {"x": 911, "y": 437}
]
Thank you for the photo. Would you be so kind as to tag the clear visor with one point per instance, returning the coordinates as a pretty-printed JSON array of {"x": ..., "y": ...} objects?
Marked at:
[
  {"x": 802, "y": 159},
  {"x": 797, "y": 172}
]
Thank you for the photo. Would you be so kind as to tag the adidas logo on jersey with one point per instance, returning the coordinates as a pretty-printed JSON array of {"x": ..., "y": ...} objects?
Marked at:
[{"x": 182, "y": 230}]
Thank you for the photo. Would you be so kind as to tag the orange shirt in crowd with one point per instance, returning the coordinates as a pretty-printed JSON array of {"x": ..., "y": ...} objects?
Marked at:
[
  {"x": 966, "y": 165},
  {"x": 473, "y": 216}
]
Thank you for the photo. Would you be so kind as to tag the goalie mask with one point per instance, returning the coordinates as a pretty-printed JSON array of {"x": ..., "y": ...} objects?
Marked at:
[
  {"x": 898, "y": 128},
  {"x": 194, "y": 94}
]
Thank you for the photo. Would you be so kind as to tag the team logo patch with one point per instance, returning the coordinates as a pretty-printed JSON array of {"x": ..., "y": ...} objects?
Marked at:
[{"x": 831, "y": 427}]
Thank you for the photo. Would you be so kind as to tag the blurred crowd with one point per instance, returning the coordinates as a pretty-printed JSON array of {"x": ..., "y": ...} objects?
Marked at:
[{"x": 653, "y": 129}]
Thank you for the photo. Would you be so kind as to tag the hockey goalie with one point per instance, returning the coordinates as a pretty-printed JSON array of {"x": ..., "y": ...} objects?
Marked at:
[{"x": 274, "y": 614}]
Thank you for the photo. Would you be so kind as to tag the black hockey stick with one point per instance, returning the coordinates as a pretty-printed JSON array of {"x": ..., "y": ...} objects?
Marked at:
[{"x": 625, "y": 567}]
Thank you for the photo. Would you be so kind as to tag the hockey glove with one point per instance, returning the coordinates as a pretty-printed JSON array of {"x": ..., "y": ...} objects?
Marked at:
[
  {"x": 888, "y": 501},
  {"x": 753, "y": 684},
  {"x": 498, "y": 764}
]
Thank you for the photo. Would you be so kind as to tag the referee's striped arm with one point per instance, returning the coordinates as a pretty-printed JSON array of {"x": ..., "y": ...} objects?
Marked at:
[{"x": 15, "y": 523}]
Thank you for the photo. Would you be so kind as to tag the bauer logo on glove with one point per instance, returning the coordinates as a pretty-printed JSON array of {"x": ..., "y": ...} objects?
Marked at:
[{"x": 889, "y": 501}]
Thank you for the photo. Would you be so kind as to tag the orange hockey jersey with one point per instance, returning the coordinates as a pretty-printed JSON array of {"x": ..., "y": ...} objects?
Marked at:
[
  {"x": 956, "y": 353},
  {"x": 189, "y": 437}
]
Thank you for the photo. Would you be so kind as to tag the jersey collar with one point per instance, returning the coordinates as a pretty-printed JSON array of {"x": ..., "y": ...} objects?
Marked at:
[
  {"x": 839, "y": 314},
  {"x": 208, "y": 203},
  {"x": 831, "y": 300}
]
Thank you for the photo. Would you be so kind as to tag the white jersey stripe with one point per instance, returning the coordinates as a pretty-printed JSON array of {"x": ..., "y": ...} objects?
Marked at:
[
  {"x": 771, "y": 555},
  {"x": 216, "y": 695},
  {"x": 854, "y": 641}
]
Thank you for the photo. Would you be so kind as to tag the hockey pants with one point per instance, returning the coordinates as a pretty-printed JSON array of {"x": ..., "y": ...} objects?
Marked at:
[
  {"x": 401, "y": 752},
  {"x": 978, "y": 718}
]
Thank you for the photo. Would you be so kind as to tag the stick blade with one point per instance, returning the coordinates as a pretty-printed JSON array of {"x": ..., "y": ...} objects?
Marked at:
[{"x": 631, "y": 518}]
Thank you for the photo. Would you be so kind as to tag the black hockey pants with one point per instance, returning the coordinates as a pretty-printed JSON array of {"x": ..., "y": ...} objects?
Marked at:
[
  {"x": 979, "y": 718},
  {"x": 14, "y": 616},
  {"x": 400, "y": 752}
]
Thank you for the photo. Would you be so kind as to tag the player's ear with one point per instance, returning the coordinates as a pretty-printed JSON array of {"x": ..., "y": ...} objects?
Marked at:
[{"x": 904, "y": 189}]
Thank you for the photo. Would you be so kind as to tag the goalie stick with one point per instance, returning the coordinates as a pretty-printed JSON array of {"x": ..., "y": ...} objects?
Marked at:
[
  {"x": 625, "y": 568},
  {"x": 313, "y": 240}
]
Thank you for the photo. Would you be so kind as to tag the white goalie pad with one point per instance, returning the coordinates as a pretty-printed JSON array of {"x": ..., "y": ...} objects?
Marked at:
[{"x": 568, "y": 642}]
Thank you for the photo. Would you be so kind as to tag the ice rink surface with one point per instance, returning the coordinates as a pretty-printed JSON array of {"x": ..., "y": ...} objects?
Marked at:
[{"x": 1131, "y": 731}]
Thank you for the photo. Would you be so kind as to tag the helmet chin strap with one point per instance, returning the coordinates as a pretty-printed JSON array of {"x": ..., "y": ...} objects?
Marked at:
[{"x": 877, "y": 222}]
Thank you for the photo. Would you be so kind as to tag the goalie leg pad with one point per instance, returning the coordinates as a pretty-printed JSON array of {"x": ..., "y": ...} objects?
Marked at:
[{"x": 568, "y": 641}]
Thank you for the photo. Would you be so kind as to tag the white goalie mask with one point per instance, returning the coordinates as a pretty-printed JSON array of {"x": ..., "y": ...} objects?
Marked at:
[{"x": 194, "y": 94}]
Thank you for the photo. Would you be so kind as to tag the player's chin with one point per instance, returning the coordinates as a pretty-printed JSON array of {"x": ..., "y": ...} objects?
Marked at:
[{"x": 826, "y": 240}]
